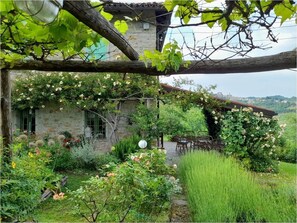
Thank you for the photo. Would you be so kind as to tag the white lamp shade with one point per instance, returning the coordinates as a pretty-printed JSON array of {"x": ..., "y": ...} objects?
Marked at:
[
  {"x": 43, "y": 10},
  {"x": 142, "y": 144}
]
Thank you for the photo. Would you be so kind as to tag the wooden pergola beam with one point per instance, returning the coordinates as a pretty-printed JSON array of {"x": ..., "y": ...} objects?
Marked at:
[
  {"x": 6, "y": 131},
  {"x": 279, "y": 61},
  {"x": 84, "y": 12}
]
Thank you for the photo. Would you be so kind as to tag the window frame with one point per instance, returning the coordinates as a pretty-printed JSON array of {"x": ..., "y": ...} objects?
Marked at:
[
  {"x": 27, "y": 120},
  {"x": 97, "y": 125}
]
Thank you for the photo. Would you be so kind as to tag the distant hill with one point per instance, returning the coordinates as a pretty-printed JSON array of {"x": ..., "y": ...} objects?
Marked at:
[{"x": 277, "y": 103}]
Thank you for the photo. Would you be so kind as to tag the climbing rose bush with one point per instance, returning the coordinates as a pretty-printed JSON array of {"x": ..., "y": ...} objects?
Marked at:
[
  {"x": 251, "y": 138},
  {"x": 90, "y": 91}
]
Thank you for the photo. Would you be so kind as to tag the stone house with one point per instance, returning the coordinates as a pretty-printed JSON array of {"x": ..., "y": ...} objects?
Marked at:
[{"x": 145, "y": 32}]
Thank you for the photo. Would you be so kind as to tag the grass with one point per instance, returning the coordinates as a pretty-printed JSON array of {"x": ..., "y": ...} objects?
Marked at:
[
  {"x": 219, "y": 190},
  {"x": 286, "y": 176},
  {"x": 61, "y": 210}
]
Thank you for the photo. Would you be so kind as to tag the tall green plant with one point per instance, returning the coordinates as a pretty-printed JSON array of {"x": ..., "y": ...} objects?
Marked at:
[
  {"x": 287, "y": 151},
  {"x": 146, "y": 123},
  {"x": 251, "y": 138},
  {"x": 220, "y": 190},
  {"x": 125, "y": 147}
]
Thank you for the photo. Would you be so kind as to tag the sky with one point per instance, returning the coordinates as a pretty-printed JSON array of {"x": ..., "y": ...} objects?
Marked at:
[{"x": 261, "y": 84}]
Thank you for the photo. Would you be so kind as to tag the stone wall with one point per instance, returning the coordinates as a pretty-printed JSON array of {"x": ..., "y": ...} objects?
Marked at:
[
  {"x": 51, "y": 120},
  {"x": 140, "y": 39}
]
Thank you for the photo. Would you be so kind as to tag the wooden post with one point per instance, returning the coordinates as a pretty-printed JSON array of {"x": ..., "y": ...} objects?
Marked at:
[{"x": 6, "y": 115}]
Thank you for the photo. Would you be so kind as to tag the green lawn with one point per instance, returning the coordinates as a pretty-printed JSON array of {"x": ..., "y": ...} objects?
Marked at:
[
  {"x": 61, "y": 210},
  {"x": 286, "y": 176}
]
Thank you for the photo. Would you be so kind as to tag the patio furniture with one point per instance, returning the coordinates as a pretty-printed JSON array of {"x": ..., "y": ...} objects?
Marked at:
[{"x": 182, "y": 145}]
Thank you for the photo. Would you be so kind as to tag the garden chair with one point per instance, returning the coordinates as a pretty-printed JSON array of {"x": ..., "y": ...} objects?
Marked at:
[{"x": 182, "y": 145}]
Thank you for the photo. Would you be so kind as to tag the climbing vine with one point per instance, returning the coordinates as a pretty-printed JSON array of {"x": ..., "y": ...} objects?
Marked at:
[{"x": 87, "y": 91}]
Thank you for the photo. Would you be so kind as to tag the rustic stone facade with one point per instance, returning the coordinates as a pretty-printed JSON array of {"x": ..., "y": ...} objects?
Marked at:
[
  {"x": 50, "y": 121},
  {"x": 142, "y": 36}
]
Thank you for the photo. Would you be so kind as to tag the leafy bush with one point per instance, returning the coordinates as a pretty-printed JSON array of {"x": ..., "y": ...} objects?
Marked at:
[
  {"x": 287, "y": 151},
  {"x": 125, "y": 147},
  {"x": 251, "y": 138},
  {"x": 22, "y": 183},
  {"x": 219, "y": 190},
  {"x": 146, "y": 123},
  {"x": 60, "y": 156},
  {"x": 105, "y": 163},
  {"x": 85, "y": 156},
  {"x": 134, "y": 191}
]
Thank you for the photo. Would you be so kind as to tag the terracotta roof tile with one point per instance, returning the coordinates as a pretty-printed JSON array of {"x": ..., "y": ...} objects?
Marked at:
[
  {"x": 135, "y": 6},
  {"x": 229, "y": 104}
]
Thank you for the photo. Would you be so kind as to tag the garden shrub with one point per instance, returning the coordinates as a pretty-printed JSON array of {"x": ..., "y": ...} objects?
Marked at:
[
  {"x": 251, "y": 138},
  {"x": 105, "y": 163},
  {"x": 85, "y": 156},
  {"x": 60, "y": 156},
  {"x": 22, "y": 182},
  {"x": 220, "y": 190},
  {"x": 136, "y": 190},
  {"x": 287, "y": 151},
  {"x": 146, "y": 123},
  {"x": 125, "y": 147}
]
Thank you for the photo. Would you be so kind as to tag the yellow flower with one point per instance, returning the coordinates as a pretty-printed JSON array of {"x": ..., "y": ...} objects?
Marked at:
[
  {"x": 13, "y": 164},
  {"x": 30, "y": 154}
]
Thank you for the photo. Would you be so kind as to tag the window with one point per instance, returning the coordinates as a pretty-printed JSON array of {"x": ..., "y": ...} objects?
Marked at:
[
  {"x": 96, "y": 124},
  {"x": 27, "y": 121}
]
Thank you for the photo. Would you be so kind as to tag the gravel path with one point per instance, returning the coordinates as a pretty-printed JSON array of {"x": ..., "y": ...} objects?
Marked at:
[
  {"x": 172, "y": 156},
  {"x": 179, "y": 211}
]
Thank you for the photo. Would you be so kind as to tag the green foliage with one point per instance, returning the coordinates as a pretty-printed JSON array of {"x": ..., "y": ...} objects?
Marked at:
[
  {"x": 60, "y": 157},
  {"x": 20, "y": 42},
  {"x": 238, "y": 12},
  {"x": 125, "y": 147},
  {"x": 84, "y": 91},
  {"x": 194, "y": 96},
  {"x": 251, "y": 138},
  {"x": 175, "y": 121},
  {"x": 146, "y": 123},
  {"x": 106, "y": 162},
  {"x": 121, "y": 25},
  {"x": 134, "y": 191},
  {"x": 219, "y": 190},
  {"x": 285, "y": 10},
  {"x": 169, "y": 59},
  {"x": 22, "y": 183},
  {"x": 85, "y": 156},
  {"x": 287, "y": 151},
  {"x": 62, "y": 210}
]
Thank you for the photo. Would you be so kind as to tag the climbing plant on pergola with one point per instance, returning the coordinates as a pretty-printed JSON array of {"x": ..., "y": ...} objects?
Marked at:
[{"x": 21, "y": 50}]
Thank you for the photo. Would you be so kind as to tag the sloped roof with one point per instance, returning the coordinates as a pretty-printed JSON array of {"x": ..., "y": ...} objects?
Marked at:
[
  {"x": 228, "y": 104},
  {"x": 114, "y": 6}
]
